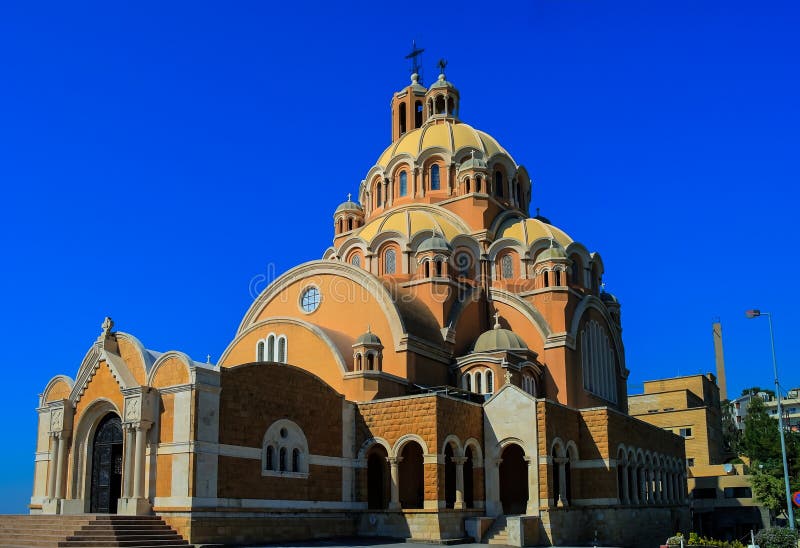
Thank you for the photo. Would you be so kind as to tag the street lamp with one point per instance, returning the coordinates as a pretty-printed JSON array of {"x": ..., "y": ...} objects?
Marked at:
[{"x": 789, "y": 510}]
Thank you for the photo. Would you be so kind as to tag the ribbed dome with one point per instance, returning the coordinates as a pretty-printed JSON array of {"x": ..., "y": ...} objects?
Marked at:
[
  {"x": 441, "y": 82},
  {"x": 551, "y": 253},
  {"x": 349, "y": 205},
  {"x": 499, "y": 339},
  {"x": 434, "y": 243},
  {"x": 368, "y": 338},
  {"x": 447, "y": 135},
  {"x": 527, "y": 231}
]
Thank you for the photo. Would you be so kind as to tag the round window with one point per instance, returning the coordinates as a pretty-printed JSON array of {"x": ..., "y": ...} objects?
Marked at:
[
  {"x": 309, "y": 301},
  {"x": 284, "y": 433}
]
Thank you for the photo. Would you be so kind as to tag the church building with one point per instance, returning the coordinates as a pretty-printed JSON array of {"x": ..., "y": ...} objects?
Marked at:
[{"x": 450, "y": 368}]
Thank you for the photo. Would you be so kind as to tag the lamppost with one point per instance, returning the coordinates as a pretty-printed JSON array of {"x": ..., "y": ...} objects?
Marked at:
[{"x": 755, "y": 313}]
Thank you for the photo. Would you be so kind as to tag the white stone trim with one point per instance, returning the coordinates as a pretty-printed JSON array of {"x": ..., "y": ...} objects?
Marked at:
[
  {"x": 195, "y": 502},
  {"x": 241, "y": 452},
  {"x": 591, "y": 463}
]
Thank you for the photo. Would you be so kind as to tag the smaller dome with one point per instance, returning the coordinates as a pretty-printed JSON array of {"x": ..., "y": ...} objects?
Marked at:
[
  {"x": 434, "y": 243},
  {"x": 415, "y": 85},
  {"x": 349, "y": 205},
  {"x": 608, "y": 298},
  {"x": 551, "y": 253},
  {"x": 442, "y": 83},
  {"x": 368, "y": 338},
  {"x": 472, "y": 163},
  {"x": 499, "y": 339}
]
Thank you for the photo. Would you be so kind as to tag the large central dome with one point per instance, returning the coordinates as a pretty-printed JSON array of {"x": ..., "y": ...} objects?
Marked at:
[{"x": 448, "y": 136}]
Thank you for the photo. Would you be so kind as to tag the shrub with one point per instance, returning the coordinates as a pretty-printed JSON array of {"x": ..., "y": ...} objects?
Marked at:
[{"x": 777, "y": 537}]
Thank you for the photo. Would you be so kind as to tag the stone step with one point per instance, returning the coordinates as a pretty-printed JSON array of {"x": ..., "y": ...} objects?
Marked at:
[
  {"x": 100, "y": 531},
  {"x": 117, "y": 542}
]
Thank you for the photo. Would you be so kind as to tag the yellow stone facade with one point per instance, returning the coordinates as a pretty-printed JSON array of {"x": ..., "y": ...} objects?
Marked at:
[{"x": 451, "y": 367}]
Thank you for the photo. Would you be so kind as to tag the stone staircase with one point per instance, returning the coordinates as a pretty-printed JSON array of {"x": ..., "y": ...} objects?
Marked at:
[
  {"x": 498, "y": 532},
  {"x": 87, "y": 530}
]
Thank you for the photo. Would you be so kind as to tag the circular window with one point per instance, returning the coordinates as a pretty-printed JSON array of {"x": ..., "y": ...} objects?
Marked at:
[
  {"x": 284, "y": 433},
  {"x": 309, "y": 301}
]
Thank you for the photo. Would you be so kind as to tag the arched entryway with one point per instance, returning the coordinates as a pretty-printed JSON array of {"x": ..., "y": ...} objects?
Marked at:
[
  {"x": 449, "y": 477},
  {"x": 412, "y": 478},
  {"x": 106, "y": 477},
  {"x": 513, "y": 480},
  {"x": 378, "y": 487},
  {"x": 469, "y": 480}
]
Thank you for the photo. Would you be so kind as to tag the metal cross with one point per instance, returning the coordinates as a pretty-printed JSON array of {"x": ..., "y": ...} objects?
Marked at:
[
  {"x": 415, "y": 52},
  {"x": 348, "y": 196},
  {"x": 441, "y": 64}
]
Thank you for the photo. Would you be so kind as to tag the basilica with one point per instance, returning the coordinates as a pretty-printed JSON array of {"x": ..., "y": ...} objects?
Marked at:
[{"x": 450, "y": 368}]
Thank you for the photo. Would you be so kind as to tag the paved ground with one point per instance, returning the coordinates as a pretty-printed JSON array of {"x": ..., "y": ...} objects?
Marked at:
[{"x": 346, "y": 543}]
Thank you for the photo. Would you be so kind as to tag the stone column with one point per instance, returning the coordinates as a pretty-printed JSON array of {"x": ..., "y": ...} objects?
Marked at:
[
  {"x": 532, "y": 507},
  {"x": 127, "y": 473},
  {"x": 139, "y": 462},
  {"x": 459, "y": 462},
  {"x": 60, "y": 465},
  {"x": 394, "y": 473},
  {"x": 51, "y": 478},
  {"x": 634, "y": 480}
]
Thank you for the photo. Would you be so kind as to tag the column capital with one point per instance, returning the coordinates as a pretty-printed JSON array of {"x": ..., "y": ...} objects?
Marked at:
[
  {"x": 394, "y": 461},
  {"x": 460, "y": 461}
]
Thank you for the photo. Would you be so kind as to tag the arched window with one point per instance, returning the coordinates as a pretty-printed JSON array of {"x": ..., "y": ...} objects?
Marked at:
[
  {"x": 558, "y": 278},
  {"x": 378, "y": 202},
  {"x": 418, "y": 114},
  {"x": 281, "y": 349},
  {"x": 529, "y": 384},
  {"x": 468, "y": 382},
  {"x": 260, "y": 351},
  {"x": 340, "y": 225},
  {"x": 271, "y": 348},
  {"x": 358, "y": 362},
  {"x": 451, "y": 109},
  {"x": 270, "y": 458},
  {"x": 478, "y": 383},
  {"x": 466, "y": 186},
  {"x": 438, "y": 269},
  {"x": 498, "y": 183},
  {"x": 284, "y": 450},
  {"x": 389, "y": 262},
  {"x": 507, "y": 267},
  {"x": 489, "y": 382},
  {"x": 435, "y": 183},
  {"x": 295, "y": 460},
  {"x": 478, "y": 182},
  {"x": 402, "y": 118},
  {"x": 546, "y": 278},
  {"x": 349, "y": 224},
  {"x": 439, "y": 107},
  {"x": 403, "y": 183},
  {"x": 427, "y": 269},
  {"x": 355, "y": 260},
  {"x": 370, "y": 362},
  {"x": 598, "y": 363}
]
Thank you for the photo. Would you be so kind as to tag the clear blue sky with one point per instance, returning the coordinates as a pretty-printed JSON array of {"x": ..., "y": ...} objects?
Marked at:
[{"x": 155, "y": 158}]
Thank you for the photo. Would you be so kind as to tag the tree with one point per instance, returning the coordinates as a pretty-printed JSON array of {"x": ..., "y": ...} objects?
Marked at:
[
  {"x": 731, "y": 436},
  {"x": 761, "y": 443},
  {"x": 761, "y": 439}
]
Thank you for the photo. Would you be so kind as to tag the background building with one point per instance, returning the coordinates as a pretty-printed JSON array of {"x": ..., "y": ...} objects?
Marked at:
[
  {"x": 790, "y": 404},
  {"x": 720, "y": 495}
]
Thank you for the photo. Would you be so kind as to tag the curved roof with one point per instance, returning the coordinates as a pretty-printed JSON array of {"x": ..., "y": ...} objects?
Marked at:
[
  {"x": 434, "y": 243},
  {"x": 499, "y": 339},
  {"x": 368, "y": 338},
  {"x": 412, "y": 220},
  {"x": 449, "y": 135},
  {"x": 527, "y": 231},
  {"x": 349, "y": 205}
]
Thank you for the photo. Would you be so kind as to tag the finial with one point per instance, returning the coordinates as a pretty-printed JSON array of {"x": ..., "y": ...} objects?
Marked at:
[
  {"x": 369, "y": 328},
  {"x": 496, "y": 319},
  {"x": 441, "y": 64},
  {"x": 508, "y": 376},
  {"x": 348, "y": 196},
  {"x": 415, "y": 53},
  {"x": 108, "y": 325},
  {"x": 602, "y": 286},
  {"x": 208, "y": 358},
  {"x": 473, "y": 154},
  {"x": 552, "y": 242}
]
